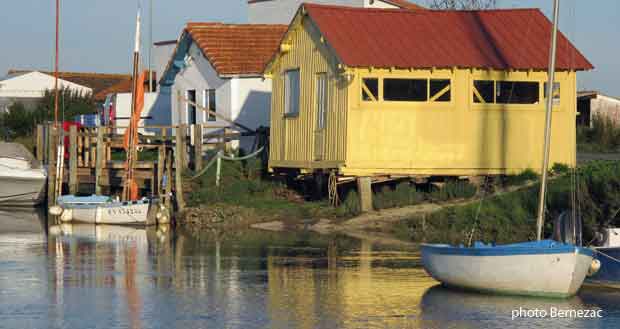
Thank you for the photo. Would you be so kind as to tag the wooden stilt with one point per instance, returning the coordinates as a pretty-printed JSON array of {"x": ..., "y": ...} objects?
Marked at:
[
  {"x": 180, "y": 166},
  {"x": 365, "y": 193},
  {"x": 197, "y": 147},
  {"x": 51, "y": 177}
]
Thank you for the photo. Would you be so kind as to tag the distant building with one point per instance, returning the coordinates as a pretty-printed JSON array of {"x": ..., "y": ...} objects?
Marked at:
[
  {"x": 592, "y": 103},
  {"x": 282, "y": 11},
  {"x": 219, "y": 66},
  {"x": 28, "y": 86}
]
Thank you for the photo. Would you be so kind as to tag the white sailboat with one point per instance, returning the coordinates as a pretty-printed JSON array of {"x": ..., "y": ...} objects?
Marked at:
[
  {"x": 22, "y": 178},
  {"x": 539, "y": 268},
  {"x": 97, "y": 209}
]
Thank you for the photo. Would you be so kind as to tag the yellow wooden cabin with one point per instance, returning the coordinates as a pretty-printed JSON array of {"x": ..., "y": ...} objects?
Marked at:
[{"x": 370, "y": 92}]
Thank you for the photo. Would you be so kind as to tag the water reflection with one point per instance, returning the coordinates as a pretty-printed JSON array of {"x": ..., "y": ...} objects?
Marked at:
[{"x": 119, "y": 277}]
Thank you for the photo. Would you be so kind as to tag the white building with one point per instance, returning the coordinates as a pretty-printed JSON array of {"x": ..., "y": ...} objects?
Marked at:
[
  {"x": 219, "y": 66},
  {"x": 282, "y": 11},
  {"x": 592, "y": 103},
  {"x": 27, "y": 87}
]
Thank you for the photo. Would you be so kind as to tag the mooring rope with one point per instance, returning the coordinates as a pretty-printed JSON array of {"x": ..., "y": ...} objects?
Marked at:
[
  {"x": 220, "y": 155},
  {"x": 606, "y": 255}
]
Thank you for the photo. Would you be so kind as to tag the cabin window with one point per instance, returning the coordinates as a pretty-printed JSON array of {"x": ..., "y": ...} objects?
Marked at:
[
  {"x": 291, "y": 93},
  {"x": 484, "y": 91},
  {"x": 191, "y": 108},
  {"x": 517, "y": 92},
  {"x": 556, "y": 93},
  {"x": 209, "y": 104},
  {"x": 370, "y": 89},
  {"x": 405, "y": 90},
  {"x": 321, "y": 99},
  {"x": 439, "y": 90}
]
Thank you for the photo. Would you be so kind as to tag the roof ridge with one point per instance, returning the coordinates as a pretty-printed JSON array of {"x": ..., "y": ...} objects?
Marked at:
[
  {"x": 70, "y": 73},
  {"x": 404, "y": 12},
  {"x": 220, "y": 24}
]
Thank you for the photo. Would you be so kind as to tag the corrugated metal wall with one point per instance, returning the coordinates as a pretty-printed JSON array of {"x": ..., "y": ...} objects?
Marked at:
[{"x": 292, "y": 138}]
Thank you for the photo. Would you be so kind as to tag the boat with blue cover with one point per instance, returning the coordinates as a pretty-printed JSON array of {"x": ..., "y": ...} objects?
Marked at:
[
  {"x": 538, "y": 268},
  {"x": 607, "y": 252}
]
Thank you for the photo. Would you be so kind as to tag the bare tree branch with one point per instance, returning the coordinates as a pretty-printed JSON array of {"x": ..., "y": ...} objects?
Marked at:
[{"x": 462, "y": 4}]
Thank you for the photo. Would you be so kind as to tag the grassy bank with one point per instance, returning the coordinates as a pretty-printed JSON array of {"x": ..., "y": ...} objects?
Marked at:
[
  {"x": 602, "y": 137},
  {"x": 511, "y": 216}
]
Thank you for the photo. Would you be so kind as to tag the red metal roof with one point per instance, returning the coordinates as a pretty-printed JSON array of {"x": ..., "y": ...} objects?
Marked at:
[
  {"x": 497, "y": 39},
  {"x": 237, "y": 48}
]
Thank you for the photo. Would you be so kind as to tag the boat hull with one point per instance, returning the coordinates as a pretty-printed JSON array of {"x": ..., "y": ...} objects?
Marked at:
[
  {"x": 550, "y": 273},
  {"x": 22, "y": 191},
  {"x": 112, "y": 213},
  {"x": 609, "y": 273}
]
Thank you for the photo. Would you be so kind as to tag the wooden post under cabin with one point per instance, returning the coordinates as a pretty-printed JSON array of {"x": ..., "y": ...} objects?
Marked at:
[
  {"x": 161, "y": 163},
  {"x": 365, "y": 193},
  {"x": 100, "y": 157},
  {"x": 198, "y": 147},
  {"x": 73, "y": 165}
]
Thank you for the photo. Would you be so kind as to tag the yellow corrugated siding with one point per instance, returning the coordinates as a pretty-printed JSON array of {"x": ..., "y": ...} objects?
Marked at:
[
  {"x": 458, "y": 138},
  {"x": 292, "y": 139}
]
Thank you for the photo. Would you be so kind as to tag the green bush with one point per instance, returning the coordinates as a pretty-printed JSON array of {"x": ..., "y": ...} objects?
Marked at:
[
  {"x": 350, "y": 206},
  {"x": 454, "y": 190},
  {"x": 560, "y": 169},
  {"x": 520, "y": 179},
  {"x": 603, "y": 136}
]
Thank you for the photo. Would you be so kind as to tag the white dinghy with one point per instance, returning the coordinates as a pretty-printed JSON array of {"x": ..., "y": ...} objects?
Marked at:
[
  {"x": 540, "y": 268},
  {"x": 103, "y": 210}
]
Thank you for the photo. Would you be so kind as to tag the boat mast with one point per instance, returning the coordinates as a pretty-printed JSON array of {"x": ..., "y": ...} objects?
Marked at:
[
  {"x": 548, "y": 116},
  {"x": 131, "y": 148},
  {"x": 56, "y": 65}
]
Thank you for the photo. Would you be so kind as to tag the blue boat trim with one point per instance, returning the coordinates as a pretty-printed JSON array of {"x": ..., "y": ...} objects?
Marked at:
[{"x": 524, "y": 248}]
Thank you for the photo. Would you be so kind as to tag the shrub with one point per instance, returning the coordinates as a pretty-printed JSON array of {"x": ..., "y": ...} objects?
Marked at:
[
  {"x": 350, "y": 206},
  {"x": 454, "y": 190},
  {"x": 560, "y": 169},
  {"x": 522, "y": 178}
]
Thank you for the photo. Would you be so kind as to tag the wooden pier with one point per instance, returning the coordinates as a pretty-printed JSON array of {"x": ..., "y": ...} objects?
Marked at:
[{"x": 94, "y": 159}]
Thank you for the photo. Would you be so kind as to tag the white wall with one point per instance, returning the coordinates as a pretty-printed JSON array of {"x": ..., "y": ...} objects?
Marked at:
[
  {"x": 30, "y": 86},
  {"x": 161, "y": 57},
  {"x": 282, "y": 11},
  {"x": 246, "y": 100},
  {"x": 153, "y": 108}
]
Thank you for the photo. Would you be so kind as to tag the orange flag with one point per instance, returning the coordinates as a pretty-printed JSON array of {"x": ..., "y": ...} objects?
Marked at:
[{"x": 137, "y": 114}]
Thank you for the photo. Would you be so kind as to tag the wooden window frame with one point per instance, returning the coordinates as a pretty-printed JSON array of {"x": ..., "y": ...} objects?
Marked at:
[{"x": 287, "y": 95}]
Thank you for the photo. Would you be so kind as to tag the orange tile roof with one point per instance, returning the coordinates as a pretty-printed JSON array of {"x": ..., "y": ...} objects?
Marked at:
[
  {"x": 237, "y": 48},
  {"x": 95, "y": 81},
  {"x": 123, "y": 86}
]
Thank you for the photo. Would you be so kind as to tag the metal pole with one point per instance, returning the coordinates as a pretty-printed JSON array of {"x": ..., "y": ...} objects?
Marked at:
[
  {"x": 56, "y": 65},
  {"x": 150, "y": 44},
  {"x": 548, "y": 116}
]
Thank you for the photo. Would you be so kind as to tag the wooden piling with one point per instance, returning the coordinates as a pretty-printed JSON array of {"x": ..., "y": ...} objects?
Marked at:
[
  {"x": 198, "y": 147},
  {"x": 100, "y": 156},
  {"x": 365, "y": 193},
  {"x": 179, "y": 156},
  {"x": 40, "y": 143},
  {"x": 51, "y": 176},
  {"x": 168, "y": 187},
  {"x": 73, "y": 165}
]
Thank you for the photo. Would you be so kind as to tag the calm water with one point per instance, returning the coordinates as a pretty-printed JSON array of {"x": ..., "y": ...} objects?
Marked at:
[{"x": 112, "y": 277}]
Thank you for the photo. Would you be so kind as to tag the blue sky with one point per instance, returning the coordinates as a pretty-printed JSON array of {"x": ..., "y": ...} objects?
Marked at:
[{"x": 97, "y": 35}]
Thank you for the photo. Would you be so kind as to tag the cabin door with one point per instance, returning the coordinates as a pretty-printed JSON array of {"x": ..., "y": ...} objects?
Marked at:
[{"x": 321, "y": 116}]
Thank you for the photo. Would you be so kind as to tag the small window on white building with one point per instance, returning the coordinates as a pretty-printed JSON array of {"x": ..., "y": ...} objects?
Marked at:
[
  {"x": 209, "y": 103},
  {"x": 291, "y": 93},
  {"x": 191, "y": 108}
]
